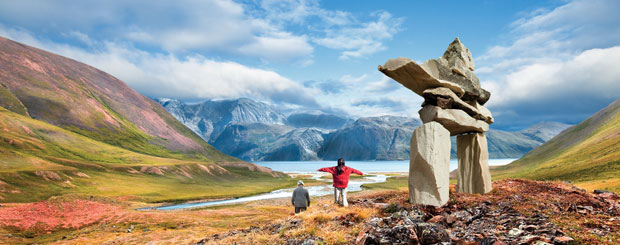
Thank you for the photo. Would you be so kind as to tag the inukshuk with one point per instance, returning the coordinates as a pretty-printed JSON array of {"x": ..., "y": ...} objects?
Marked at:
[{"x": 453, "y": 105}]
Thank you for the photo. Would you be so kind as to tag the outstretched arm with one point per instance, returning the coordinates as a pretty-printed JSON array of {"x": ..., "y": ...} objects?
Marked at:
[
  {"x": 329, "y": 170},
  {"x": 355, "y": 171}
]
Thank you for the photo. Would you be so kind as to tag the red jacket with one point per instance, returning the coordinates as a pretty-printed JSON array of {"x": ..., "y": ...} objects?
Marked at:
[{"x": 342, "y": 180}]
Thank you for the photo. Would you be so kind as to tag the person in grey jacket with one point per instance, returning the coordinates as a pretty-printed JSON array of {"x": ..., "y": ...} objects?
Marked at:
[{"x": 301, "y": 198}]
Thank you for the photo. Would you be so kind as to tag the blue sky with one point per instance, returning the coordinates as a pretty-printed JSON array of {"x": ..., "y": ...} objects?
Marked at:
[{"x": 542, "y": 60}]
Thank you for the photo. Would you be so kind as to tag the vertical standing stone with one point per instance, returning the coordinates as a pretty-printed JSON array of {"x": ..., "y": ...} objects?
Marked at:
[
  {"x": 473, "y": 172},
  {"x": 429, "y": 165}
]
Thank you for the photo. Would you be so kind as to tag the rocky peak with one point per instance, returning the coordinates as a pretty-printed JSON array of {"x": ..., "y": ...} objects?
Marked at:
[{"x": 458, "y": 55}]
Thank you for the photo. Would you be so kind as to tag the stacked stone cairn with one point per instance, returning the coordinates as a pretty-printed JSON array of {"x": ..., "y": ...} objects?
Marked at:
[{"x": 453, "y": 105}]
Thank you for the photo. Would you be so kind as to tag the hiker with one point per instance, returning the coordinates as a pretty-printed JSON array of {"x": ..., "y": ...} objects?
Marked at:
[
  {"x": 340, "y": 174},
  {"x": 301, "y": 198}
]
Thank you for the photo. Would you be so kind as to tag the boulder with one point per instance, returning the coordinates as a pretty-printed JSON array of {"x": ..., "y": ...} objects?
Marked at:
[
  {"x": 433, "y": 96},
  {"x": 429, "y": 165},
  {"x": 473, "y": 174},
  {"x": 455, "y": 121}
]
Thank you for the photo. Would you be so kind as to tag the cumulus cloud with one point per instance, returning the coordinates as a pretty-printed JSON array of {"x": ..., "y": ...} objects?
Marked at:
[
  {"x": 363, "y": 39},
  {"x": 559, "y": 65},
  {"x": 271, "y": 30},
  {"x": 191, "y": 77},
  {"x": 593, "y": 73},
  {"x": 385, "y": 84},
  {"x": 179, "y": 27},
  {"x": 353, "y": 36}
]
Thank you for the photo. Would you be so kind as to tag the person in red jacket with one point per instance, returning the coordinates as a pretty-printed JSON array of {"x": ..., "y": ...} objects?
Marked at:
[{"x": 340, "y": 174}]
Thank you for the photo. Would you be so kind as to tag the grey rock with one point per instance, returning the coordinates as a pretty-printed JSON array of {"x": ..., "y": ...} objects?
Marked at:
[
  {"x": 416, "y": 77},
  {"x": 459, "y": 56},
  {"x": 465, "y": 78},
  {"x": 431, "y": 94},
  {"x": 473, "y": 174},
  {"x": 455, "y": 121},
  {"x": 429, "y": 165},
  {"x": 515, "y": 232},
  {"x": 454, "y": 71}
]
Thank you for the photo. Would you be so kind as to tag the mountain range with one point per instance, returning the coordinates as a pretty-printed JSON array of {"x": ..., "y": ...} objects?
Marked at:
[
  {"x": 70, "y": 128},
  {"x": 256, "y": 131}
]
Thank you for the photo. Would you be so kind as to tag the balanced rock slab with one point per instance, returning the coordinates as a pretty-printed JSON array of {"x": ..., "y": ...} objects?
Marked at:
[
  {"x": 473, "y": 174},
  {"x": 429, "y": 165},
  {"x": 472, "y": 108},
  {"x": 455, "y": 121},
  {"x": 415, "y": 77},
  {"x": 454, "y": 70}
]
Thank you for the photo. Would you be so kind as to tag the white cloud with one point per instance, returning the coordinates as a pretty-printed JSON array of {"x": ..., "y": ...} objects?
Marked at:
[
  {"x": 192, "y": 77},
  {"x": 361, "y": 40},
  {"x": 556, "y": 34},
  {"x": 178, "y": 27},
  {"x": 593, "y": 73},
  {"x": 338, "y": 30},
  {"x": 280, "y": 47},
  {"x": 385, "y": 84},
  {"x": 268, "y": 30},
  {"x": 351, "y": 80},
  {"x": 560, "y": 65},
  {"x": 85, "y": 39}
]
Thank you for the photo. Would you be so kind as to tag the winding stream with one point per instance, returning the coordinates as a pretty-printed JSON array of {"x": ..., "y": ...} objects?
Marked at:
[
  {"x": 321, "y": 190},
  {"x": 310, "y": 167}
]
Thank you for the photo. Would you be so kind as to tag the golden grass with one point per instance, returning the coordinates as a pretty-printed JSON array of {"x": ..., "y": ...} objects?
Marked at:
[
  {"x": 32, "y": 150},
  {"x": 593, "y": 162}
]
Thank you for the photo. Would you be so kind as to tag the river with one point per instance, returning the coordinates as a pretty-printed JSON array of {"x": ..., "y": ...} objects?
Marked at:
[
  {"x": 310, "y": 167},
  {"x": 364, "y": 166}
]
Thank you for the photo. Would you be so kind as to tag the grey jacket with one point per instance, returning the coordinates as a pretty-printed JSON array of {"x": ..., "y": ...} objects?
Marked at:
[{"x": 301, "y": 198}]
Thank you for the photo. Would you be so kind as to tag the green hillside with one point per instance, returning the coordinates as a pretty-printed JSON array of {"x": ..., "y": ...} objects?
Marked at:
[
  {"x": 66, "y": 127},
  {"x": 39, "y": 160},
  {"x": 587, "y": 154}
]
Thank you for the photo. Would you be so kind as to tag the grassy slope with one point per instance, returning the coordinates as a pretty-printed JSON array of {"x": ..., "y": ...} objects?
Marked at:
[
  {"x": 587, "y": 154},
  {"x": 40, "y": 160},
  {"x": 90, "y": 102},
  {"x": 8, "y": 100}
]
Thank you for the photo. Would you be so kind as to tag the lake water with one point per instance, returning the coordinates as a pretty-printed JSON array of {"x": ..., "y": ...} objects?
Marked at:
[
  {"x": 364, "y": 166},
  {"x": 310, "y": 167}
]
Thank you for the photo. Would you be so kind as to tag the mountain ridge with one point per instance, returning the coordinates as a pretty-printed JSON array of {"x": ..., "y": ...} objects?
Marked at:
[{"x": 346, "y": 137}]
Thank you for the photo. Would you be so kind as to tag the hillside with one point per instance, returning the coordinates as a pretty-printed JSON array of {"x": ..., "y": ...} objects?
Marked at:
[
  {"x": 587, "y": 154},
  {"x": 516, "y": 212},
  {"x": 70, "y": 128}
]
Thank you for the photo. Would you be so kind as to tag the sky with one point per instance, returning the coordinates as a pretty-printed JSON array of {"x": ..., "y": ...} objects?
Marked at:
[{"x": 545, "y": 60}]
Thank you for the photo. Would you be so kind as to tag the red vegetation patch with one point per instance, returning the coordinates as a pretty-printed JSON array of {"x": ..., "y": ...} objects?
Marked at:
[{"x": 52, "y": 215}]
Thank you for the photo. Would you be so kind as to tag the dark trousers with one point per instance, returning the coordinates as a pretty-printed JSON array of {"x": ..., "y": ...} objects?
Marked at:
[{"x": 299, "y": 209}]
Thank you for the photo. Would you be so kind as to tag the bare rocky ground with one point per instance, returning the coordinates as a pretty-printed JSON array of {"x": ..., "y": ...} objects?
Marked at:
[{"x": 515, "y": 212}]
